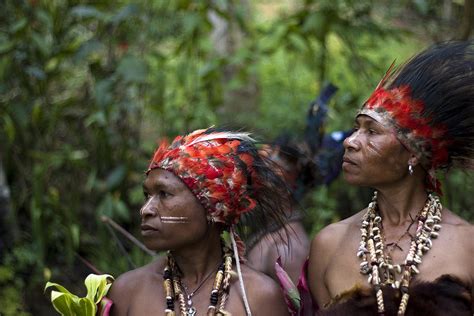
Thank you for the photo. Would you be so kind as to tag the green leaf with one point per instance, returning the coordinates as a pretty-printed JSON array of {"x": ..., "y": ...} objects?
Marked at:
[
  {"x": 58, "y": 287},
  {"x": 121, "y": 210},
  {"x": 19, "y": 25},
  {"x": 9, "y": 127},
  {"x": 96, "y": 118},
  {"x": 116, "y": 177},
  {"x": 125, "y": 13},
  {"x": 87, "y": 11},
  {"x": 85, "y": 307},
  {"x": 61, "y": 302},
  {"x": 90, "y": 48},
  {"x": 42, "y": 43},
  {"x": 75, "y": 235},
  {"x": 69, "y": 304},
  {"x": 132, "y": 69},
  {"x": 35, "y": 72},
  {"x": 5, "y": 45},
  {"x": 97, "y": 286},
  {"x": 297, "y": 42},
  {"x": 103, "y": 92},
  {"x": 422, "y": 6}
]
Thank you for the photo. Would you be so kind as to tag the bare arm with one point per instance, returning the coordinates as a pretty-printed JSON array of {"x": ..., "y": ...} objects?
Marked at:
[
  {"x": 321, "y": 251},
  {"x": 120, "y": 293},
  {"x": 292, "y": 249},
  {"x": 470, "y": 239},
  {"x": 268, "y": 300},
  {"x": 264, "y": 295}
]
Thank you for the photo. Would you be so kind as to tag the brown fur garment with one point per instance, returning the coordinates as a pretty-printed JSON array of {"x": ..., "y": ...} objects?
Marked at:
[{"x": 445, "y": 296}]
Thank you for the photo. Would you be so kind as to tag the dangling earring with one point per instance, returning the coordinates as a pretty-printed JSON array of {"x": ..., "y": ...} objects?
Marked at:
[
  {"x": 410, "y": 169},
  {"x": 210, "y": 220}
]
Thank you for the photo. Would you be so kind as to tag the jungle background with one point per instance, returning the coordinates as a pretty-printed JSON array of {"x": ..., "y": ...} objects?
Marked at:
[{"x": 87, "y": 88}]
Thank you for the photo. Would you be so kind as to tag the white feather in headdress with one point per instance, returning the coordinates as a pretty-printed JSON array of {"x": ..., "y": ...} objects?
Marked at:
[{"x": 222, "y": 135}]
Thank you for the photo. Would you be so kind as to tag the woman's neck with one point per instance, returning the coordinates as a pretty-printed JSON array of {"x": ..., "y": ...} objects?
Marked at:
[
  {"x": 401, "y": 203},
  {"x": 198, "y": 261}
]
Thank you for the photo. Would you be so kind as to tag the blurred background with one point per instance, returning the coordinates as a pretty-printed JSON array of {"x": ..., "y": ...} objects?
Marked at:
[{"x": 87, "y": 88}]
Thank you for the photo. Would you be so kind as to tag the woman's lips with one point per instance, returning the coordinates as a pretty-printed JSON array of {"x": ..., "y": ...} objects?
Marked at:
[
  {"x": 348, "y": 160},
  {"x": 347, "y": 163},
  {"x": 148, "y": 229}
]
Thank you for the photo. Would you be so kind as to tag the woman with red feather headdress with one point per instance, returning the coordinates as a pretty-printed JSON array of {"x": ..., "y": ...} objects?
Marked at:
[
  {"x": 196, "y": 192},
  {"x": 405, "y": 254}
]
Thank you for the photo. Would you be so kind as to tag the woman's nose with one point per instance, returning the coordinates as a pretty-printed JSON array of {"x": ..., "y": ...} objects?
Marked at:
[
  {"x": 148, "y": 209},
  {"x": 352, "y": 142}
]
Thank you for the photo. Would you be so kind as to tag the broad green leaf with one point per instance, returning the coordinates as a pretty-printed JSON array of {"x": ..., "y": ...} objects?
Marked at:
[
  {"x": 61, "y": 302},
  {"x": 90, "y": 48},
  {"x": 42, "y": 43},
  {"x": 115, "y": 177},
  {"x": 67, "y": 303},
  {"x": 9, "y": 127},
  {"x": 35, "y": 72},
  {"x": 75, "y": 235},
  {"x": 103, "y": 92},
  {"x": 121, "y": 210},
  {"x": 132, "y": 69},
  {"x": 58, "y": 287},
  {"x": 5, "y": 45},
  {"x": 125, "y": 13},
  {"x": 18, "y": 25},
  {"x": 97, "y": 286},
  {"x": 84, "y": 307},
  {"x": 96, "y": 117},
  {"x": 87, "y": 11}
]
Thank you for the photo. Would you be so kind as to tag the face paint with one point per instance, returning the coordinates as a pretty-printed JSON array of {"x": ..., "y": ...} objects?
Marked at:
[
  {"x": 174, "y": 219},
  {"x": 374, "y": 155},
  {"x": 144, "y": 206}
]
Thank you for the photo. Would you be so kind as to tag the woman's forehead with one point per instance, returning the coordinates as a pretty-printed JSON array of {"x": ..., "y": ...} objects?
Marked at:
[
  {"x": 161, "y": 177},
  {"x": 371, "y": 120}
]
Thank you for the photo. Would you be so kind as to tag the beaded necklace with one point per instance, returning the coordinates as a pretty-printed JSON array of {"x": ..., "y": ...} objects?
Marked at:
[
  {"x": 174, "y": 289},
  {"x": 379, "y": 267}
]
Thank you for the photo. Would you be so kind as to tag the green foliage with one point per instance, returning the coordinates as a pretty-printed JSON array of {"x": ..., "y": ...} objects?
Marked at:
[
  {"x": 10, "y": 294},
  {"x": 67, "y": 303},
  {"x": 87, "y": 87}
]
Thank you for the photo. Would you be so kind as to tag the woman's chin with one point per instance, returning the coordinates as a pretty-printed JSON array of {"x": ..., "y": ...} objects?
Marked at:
[
  {"x": 352, "y": 179},
  {"x": 154, "y": 246}
]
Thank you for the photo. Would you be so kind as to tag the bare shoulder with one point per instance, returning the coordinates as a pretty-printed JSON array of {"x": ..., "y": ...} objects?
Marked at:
[
  {"x": 459, "y": 228},
  {"x": 330, "y": 236},
  {"x": 264, "y": 294},
  {"x": 129, "y": 282},
  {"x": 323, "y": 248}
]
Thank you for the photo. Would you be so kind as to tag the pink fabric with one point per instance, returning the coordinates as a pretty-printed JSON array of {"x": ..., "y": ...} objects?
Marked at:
[
  {"x": 308, "y": 306},
  {"x": 104, "y": 307}
]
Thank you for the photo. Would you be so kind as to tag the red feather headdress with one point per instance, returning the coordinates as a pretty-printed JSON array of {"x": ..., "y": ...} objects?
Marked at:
[
  {"x": 212, "y": 167},
  {"x": 397, "y": 109}
]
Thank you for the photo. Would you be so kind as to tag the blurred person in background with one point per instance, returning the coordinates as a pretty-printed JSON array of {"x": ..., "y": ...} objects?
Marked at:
[{"x": 303, "y": 165}]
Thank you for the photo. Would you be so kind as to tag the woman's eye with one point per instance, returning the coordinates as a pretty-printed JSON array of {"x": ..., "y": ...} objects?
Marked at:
[
  {"x": 372, "y": 131},
  {"x": 146, "y": 195},
  {"x": 163, "y": 194}
]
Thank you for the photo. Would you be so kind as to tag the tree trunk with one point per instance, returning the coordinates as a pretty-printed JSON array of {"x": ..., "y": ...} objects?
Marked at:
[
  {"x": 227, "y": 38},
  {"x": 468, "y": 20},
  {"x": 5, "y": 239}
]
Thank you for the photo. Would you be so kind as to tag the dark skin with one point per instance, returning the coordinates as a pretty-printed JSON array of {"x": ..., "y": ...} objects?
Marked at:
[
  {"x": 291, "y": 242},
  {"x": 196, "y": 248},
  {"x": 375, "y": 158}
]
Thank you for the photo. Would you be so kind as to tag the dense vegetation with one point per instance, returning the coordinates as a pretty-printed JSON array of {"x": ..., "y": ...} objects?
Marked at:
[{"x": 86, "y": 88}]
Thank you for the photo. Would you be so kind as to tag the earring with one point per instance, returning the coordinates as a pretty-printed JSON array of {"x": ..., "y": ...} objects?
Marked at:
[
  {"x": 210, "y": 220},
  {"x": 410, "y": 169}
]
